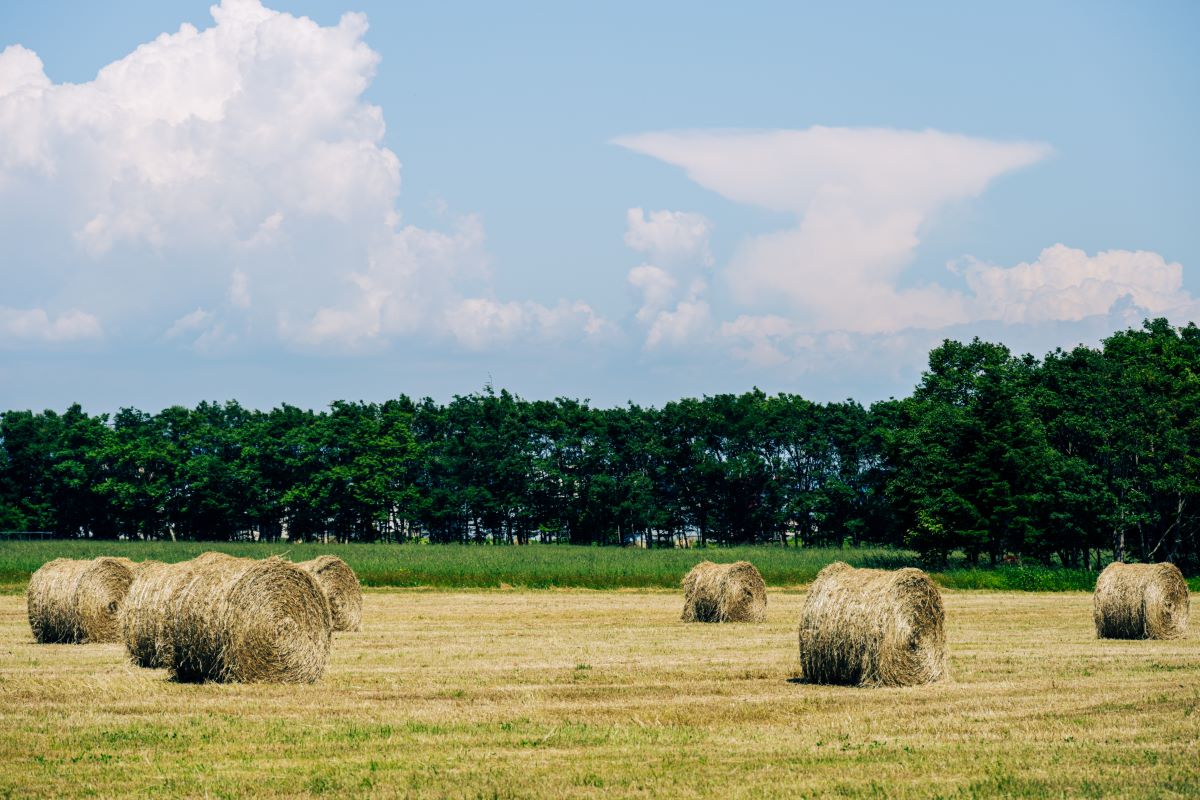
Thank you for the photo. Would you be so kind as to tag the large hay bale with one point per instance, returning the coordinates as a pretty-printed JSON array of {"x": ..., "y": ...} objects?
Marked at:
[
  {"x": 1140, "y": 601},
  {"x": 144, "y": 614},
  {"x": 870, "y": 627},
  {"x": 248, "y": 621},
  {"x": 76, "y": 601},
  {"x": 341, "y": 588},
  {"x": 215, "y": 557},
  {"x": 724, "y": 593}
]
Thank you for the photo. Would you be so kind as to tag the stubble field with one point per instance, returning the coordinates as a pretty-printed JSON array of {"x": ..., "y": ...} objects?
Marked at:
[{"x": 605, "y": 694}]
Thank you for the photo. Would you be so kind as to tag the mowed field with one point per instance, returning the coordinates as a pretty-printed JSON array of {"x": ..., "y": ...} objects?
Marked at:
[{"x": 579, "y": 693}]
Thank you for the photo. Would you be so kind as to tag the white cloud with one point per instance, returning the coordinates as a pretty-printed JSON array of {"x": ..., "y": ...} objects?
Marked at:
[
  {"x": 673, "y": 309},
  {"x": 207, "y": 163},
  {"x": 657, "y": 288},
  {"x": 686, "y": 325},
  {"x": 36, "y": 325},
  {"x": 1067, "y": 284},
  {"x": 239, "y": 289},
  {"x": 861, "y": 197},
  {"x": 203, "y": 134},
  {"x": 189, "y": 323},
  {"x": 669, "y": 236},
  {"x": 481, "y": 323}
]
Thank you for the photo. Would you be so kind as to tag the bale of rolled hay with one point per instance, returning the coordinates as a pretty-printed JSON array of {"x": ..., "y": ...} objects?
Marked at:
[
  {"x": 144, "y": 620},
  {"x": 214, "y": 557},
  {"x": 1140, "y": 601},
  {"x": 724, "y": 593},
  {"x": 248, "y": 621},
  {"x": 341, "y": 588},
  {"x": 870, "y": 627},
  {"x": 76, "y": 601}
]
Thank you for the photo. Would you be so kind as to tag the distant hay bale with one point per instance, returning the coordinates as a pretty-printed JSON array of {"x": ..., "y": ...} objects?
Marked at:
[
  {"x": 76, "y": 601},
  {"x": 869, "y": 627},
  {"x": 144, "y": 614},
  {"x": 724, "y": 593},
  {"x": 214, "y": 557},
  {"x": 1140, "y": 601},
  {"x": 248, "y": 621},
  {"x": 340, "y": 585}
]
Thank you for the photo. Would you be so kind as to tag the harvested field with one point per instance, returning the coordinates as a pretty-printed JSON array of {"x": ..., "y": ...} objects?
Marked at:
[{"x": 608, "y": 694}]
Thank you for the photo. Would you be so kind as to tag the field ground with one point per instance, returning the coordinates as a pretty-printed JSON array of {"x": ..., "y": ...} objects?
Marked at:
[
  {"x": 605, "y": 694},
  {"x": 546, "y": 566}
]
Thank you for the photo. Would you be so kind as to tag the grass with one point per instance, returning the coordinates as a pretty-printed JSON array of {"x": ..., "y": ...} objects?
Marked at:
[
  {"x": 583, "y": 694},
  {"x": 544, "y": 566}
]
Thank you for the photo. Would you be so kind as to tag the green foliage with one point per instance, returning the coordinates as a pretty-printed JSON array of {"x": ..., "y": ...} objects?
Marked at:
[
  {"x": 1070, "y": 461},
  {"x": 546, "y": 566}
]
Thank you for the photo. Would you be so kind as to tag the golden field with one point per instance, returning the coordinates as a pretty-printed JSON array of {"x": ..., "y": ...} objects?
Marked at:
[{"x": 606, "y": 694}]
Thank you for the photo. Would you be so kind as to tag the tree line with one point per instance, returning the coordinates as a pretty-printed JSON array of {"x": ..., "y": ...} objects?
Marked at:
[{"x": 1075, "y": 458}]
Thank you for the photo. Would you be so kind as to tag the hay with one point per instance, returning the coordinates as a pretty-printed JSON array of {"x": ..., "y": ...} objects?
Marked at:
[
  {"x": 1140, "y": 601},
  {"x": 248, "y": 621},
  {"x": 869, "y": 627},
  {"x": 724, "y": 593},
  {"x": 341, "y": 588},
  {"x": 144, "y": 615},
  {"x": 215, "y": 557},
  {"x": 74, "y": 601}
]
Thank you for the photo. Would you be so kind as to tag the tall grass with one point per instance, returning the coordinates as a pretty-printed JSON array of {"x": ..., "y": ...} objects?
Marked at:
[{"x": 544, "y": 566}]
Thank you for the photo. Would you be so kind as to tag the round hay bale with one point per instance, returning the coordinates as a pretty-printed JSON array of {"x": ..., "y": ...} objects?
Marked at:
[
  {"x": 341, "y": 588},
  {"x": 215, "y": 557},
  {"x": 1140, "y": 601},
  {"x": 870, "y": 627},
  {"x": 77, "y": 601},
  {"x": 144, "y": 614},
  {"x": 724, "y": 593},
  {"x": 248, "y": 621}
]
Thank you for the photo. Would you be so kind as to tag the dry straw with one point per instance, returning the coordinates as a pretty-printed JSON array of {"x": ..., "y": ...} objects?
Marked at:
[
  {"x": 869, "y": 627},
  {"x": 724, "y": 593},
  {"x": 144, "y": 615},
  {"x": 248, "y": 621},
  {"x": 77, "y": 601},
  {"x": 341, "y": 588},
  {"x": 1140, "y": 601}
]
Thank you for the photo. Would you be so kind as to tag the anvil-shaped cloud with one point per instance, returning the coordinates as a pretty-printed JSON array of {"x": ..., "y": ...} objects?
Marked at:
[{"x": 861, "y": 198}]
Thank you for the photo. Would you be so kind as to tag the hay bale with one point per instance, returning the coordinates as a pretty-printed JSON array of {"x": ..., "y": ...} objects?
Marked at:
[
  {"x": 215, "y": 557},
  {"x": 724, "y": 593},
  {"x": 76, "y": 601},
  {"x": 870, "y": 627},
  {"x": 144, "y": 614},
  {"x": 1140, "y": 601},
  {"x": 341, "y": 588},
  {"x": 248, "y": 621}
]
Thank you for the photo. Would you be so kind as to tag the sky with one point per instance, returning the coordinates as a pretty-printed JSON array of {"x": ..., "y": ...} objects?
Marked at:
[{"x": 300, "y": 202}]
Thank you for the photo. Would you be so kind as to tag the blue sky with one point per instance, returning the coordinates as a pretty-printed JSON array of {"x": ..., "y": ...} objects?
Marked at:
[{"x": 802, "y": 176}]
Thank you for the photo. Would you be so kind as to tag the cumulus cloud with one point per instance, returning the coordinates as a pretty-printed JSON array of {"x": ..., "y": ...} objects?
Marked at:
[
  {"x": 673, "y": 309},
  {"x": 241, "y": 166},
  {"x": 668, "y": 236},
  {"x": 480, "y": 323},
  {"x": 687, "y": 324},
  {"x": 1062, "y": 298},
  {"x": 36, "y": 325},
  {"x": 189, "y": 323},
  {"x": 860, "y": 198},
  {"x": 657, "y": 287},
  {"x": 829, "y": 291},
  {"x": 1065, "y": 283}
]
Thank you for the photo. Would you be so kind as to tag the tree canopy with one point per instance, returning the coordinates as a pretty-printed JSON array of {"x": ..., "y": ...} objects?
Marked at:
[{"x": 1080, "y": 456}]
